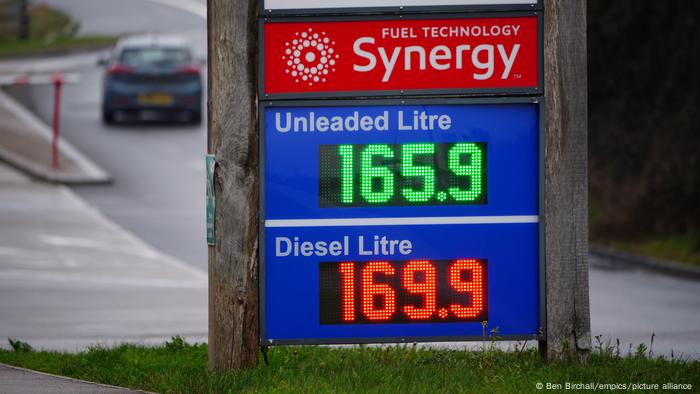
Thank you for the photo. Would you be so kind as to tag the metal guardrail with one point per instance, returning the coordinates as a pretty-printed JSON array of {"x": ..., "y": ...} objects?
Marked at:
[
  {"x": 13, "y": 19},
  {"x": 612, "y": 257}
]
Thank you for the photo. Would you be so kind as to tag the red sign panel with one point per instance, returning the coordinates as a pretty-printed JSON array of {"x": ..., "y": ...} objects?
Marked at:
[{"x": 485, "y": 53}]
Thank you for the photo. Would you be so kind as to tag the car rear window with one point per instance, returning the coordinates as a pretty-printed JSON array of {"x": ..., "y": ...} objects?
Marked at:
[{"x": 155, "y": 57}]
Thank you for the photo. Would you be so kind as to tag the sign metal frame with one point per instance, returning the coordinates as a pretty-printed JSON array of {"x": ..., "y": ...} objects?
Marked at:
[
  {"x": 537, "y": 100},
  {"x": 456, "y": 92},
  {"x": 425, "y": 9}
]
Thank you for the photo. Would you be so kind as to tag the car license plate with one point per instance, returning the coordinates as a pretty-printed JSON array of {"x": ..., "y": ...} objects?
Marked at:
[{"x": 155, "y": 99}]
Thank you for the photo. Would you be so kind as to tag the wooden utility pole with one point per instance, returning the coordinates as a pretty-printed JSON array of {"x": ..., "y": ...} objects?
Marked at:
[
  {"x": 566, "y": 181},
  {"x": 233, "y": 138}
]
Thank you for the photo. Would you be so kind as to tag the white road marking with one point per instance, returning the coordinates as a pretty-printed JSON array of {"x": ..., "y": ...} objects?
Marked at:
[
  {"x": 96, "y": 244},
  {"x": 193, "y": 7},
  {"x": 402, "y": 221},
  {"x": 51, "y": 64},
  {"x": 38, "y": 79},
  {"x": 88, "y": 280},
  {"x": 15, "y": 252}
]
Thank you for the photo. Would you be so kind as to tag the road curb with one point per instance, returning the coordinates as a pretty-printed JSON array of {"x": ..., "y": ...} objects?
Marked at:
[
  {"x": 90, "y": 173},
  {"x": 73, "y": 380},
  {"x": 667, "y": 267}
]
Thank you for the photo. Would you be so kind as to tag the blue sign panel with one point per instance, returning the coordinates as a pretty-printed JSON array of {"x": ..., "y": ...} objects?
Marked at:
[{"x": 387, "y": 222}]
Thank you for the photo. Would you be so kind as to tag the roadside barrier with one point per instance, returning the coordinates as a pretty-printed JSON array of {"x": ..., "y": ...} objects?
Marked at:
[{"x": 57, "y": 80}]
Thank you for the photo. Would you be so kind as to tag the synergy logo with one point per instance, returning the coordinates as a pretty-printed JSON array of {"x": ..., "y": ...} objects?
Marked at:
[
  {"x": 310, "y": 57},
  {"x": 395, "y": 55},
  {"x": 440, "y": 57}
]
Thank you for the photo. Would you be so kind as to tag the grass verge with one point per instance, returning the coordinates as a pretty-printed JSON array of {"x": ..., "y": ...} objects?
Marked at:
[
  {"x": 38, "y": 46},
  {"x": 680, "y": 248},
  {"x": 50, "y": 31},
  {"x": 178, "y": 367}
]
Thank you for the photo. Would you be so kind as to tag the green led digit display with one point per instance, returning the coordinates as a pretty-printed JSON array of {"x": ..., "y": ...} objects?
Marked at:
[
  {"x": 425, "y": 172},
  {"x": 471, "y": 170},
  {"x": 376, "y": 181},
  {"x": 346, "y": 174},
  {"x": 402, "y": 174}
]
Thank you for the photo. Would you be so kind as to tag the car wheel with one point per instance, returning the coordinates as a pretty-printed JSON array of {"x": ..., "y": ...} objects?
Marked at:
[{"x": 107, "y": 116}]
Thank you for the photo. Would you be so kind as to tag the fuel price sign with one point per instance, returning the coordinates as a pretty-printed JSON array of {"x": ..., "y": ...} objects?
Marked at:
[{"x": 394, "y": 221}]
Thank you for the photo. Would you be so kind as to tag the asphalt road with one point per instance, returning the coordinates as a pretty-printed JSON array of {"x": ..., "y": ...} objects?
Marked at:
[
  {"x": 159, "y": 188},
  {"x": 158, "y": 169}
]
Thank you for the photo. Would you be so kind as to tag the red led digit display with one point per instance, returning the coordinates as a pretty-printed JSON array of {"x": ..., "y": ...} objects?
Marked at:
[
  {"x": 473, "y": 285},
  {"x": 378, "y": 299},
  {"x": 413, "y": 291},
  {"x": 427, "y": 287},
  {"x": 347, "y": 273}
]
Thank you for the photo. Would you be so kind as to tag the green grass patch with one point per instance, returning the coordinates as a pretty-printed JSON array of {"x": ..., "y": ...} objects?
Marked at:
[
  {"x": 681, "y": 248},
  {"x": 50, "y": 31},
  {"x": 178, "y": 367},
  {"x": 36, "y": 46}
]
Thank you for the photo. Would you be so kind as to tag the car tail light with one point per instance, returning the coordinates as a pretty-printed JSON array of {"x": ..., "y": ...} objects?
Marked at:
[
  {"x": 188, "y": 101},
  {"x": 116, "y": 69},
  {"x": 189, "y": 70}
]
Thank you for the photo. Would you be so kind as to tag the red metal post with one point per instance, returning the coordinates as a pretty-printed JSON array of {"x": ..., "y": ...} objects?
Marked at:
[{"x": 57, "y": 82}]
